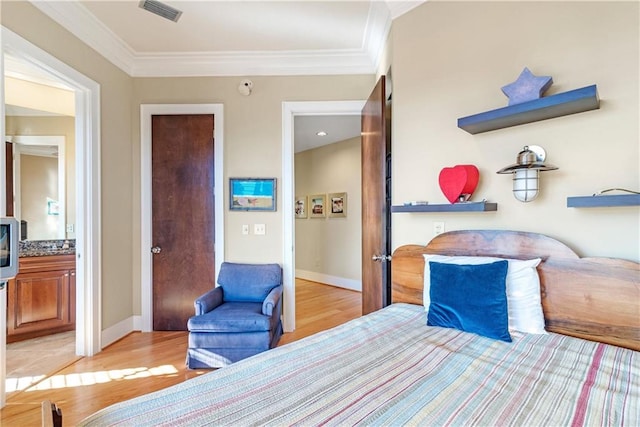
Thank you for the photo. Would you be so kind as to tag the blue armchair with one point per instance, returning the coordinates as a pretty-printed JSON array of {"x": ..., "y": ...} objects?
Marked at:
[{"x": 237, "y": 319}]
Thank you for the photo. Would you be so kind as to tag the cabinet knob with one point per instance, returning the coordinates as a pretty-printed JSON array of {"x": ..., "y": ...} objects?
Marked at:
[{"x": 156, "y": 250}]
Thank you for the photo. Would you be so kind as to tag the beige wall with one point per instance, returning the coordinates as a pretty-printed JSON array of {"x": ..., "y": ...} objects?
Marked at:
[
  {"x": 252, "y": 142},
  {"x": 116, "y": 167},
  {"x": 330, "y": 248},
  {"x": 450, "y": 60},
  {"x": 53, "y": 126}
]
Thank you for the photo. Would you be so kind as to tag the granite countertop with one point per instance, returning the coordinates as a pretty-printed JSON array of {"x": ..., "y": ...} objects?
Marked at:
[{"x": 36, "y": 248}]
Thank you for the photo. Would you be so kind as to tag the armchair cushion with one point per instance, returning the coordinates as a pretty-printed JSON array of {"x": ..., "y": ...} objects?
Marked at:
[
  {"x": 248, "y": 282},
  {"x": 208, "y": 301},
  {"x": 237, "y": 317}
]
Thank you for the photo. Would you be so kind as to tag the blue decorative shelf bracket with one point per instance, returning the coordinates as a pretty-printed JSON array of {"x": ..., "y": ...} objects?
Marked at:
[{"x": 561, "y": 104}]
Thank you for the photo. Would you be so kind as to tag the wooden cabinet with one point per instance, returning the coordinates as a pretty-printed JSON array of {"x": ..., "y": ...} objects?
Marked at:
[{"x": 41, "y": 300}]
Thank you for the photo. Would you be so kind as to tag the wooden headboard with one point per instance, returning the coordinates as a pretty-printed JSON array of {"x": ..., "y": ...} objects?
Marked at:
[{"x": 592, "y": 298}]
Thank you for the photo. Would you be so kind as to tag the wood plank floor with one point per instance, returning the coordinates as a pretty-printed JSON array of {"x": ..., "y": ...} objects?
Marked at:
[{"x": 144, "y": 362}]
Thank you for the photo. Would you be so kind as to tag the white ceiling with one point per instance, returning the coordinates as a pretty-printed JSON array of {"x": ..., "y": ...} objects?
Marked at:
[
  {"x": 235, "y": 38},
  {"x": 232, "y": 37}
]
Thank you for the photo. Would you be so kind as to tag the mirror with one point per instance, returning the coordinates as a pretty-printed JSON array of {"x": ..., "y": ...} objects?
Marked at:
[
  {"x": 38, "y": 103},
  {"x": 39, "y": 185}
]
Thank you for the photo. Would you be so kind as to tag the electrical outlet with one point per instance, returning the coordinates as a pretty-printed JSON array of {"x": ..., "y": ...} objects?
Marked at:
[
  {"x": 69, "y": 228},
  {"x": 438, "y": 228},
  {"x": 259, "y": 229},
  {"x": 245, "y": 229}
]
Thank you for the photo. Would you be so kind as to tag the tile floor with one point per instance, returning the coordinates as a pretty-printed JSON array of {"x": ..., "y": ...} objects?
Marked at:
[{"x": 31, "y": 360}]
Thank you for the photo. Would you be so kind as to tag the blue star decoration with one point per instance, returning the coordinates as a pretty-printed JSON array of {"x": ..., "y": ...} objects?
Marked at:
[{"x": 527, "y": 88}]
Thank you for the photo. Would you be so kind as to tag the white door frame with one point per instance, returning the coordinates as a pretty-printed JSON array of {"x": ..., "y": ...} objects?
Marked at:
[
  {"x": 88, "y": 194},
  {"x": 146, "y": 232},
  {"x": 289, "y": 111}
]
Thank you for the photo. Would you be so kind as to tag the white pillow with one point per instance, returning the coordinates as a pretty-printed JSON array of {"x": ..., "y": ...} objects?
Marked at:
[{"x": 523, "y": 289}]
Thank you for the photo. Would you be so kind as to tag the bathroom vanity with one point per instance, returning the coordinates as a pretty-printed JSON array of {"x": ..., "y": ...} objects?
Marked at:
[{"x": 41, "y": 298}]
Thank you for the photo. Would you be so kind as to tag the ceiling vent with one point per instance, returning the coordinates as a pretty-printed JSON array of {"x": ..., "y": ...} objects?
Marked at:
[{"x": 161, "y": 9}]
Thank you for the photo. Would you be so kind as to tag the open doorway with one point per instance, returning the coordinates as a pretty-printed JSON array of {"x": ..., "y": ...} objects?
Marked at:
[
  {"x": 40, "y": 316},
  {"x": 86, "y": 94},
  {"x": 328, "y": 226},
  {"x": 291, "y": 112}
]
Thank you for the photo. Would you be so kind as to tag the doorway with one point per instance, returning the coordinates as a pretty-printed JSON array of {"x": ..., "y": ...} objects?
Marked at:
[
  {"x": 87, "y": 166},
  {"x": 290, "y": 110},
  {"x": 327, "y": 164},
  {"x": 147, "y": 111}
]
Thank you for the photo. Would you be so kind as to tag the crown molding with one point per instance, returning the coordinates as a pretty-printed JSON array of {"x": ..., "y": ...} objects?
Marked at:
[
  {"x": 76, "y": 19},
  {"x": 84, "y": 25},
  {"x": 377, "y": 31},
  {"x": 252, "y": 63},
  {"x": 400, "y": 7}
]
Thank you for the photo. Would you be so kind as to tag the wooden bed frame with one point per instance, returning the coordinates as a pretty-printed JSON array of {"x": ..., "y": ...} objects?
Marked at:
[{"x": 597, "y": 299}]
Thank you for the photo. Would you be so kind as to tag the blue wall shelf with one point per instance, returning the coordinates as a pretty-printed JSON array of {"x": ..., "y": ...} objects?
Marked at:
[
  {"x": 561, "y": 104},
  {"x": 455, "y": 207},
  {"x": 603, "y": 201}
]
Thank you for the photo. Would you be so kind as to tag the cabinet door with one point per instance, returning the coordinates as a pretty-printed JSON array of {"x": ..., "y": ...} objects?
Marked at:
[{"x": 39, "y": 302}]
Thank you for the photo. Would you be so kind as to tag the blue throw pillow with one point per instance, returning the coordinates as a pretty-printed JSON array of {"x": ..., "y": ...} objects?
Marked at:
[{"x": 470, "y": 298}]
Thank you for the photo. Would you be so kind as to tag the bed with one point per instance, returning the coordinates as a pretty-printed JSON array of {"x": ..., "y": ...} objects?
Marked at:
[{"x": 391, "y": 368}]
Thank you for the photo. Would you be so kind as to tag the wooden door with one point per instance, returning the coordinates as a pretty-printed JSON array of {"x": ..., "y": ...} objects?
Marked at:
[
  {"x": 9, "y": 178},
  {"x": 183, "y": 216},
  {"x": 376, "y": 175}
]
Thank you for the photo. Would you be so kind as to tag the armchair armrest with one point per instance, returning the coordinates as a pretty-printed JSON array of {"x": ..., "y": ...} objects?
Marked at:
[
  {"x": 207, "y": 302},
  {"x": 271, "y": 300}
]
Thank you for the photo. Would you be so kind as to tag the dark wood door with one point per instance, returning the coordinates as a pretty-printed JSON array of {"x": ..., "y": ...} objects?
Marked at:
[
  {"x": 183, "y": 216},
  {"x": 9, "y": 177},
  {"x": 376, "y": 175}
]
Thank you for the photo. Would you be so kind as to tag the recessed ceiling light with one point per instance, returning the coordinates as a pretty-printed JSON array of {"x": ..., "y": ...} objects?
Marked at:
[{"x": 321, "y": 133}]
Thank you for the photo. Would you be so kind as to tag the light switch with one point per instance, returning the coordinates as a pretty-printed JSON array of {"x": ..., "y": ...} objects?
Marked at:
[
  {"x": 259, "y": 229},
  {"x": 245, "y": 229}
]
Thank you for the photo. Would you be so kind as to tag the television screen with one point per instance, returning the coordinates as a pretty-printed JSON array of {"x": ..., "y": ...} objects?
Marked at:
[
  {"x": 8, "y": 248},
  {"x": 5, "y": 248}
]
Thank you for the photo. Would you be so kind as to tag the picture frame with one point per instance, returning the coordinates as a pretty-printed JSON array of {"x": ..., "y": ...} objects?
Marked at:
[
  {"x": 337, "y": 205},
  {"x": 53, "y": 207},
  {"x": 301, "y": 210},
  {"x": 252, "y": 194},
  {"x": 317, "y": 206}
]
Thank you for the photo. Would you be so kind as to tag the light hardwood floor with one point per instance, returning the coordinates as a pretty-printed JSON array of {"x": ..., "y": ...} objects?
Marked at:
[{"x": 144, "y": 362}]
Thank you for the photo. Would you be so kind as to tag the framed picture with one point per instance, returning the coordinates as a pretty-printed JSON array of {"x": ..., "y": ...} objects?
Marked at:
[
  {"x": 317, "y": 206},
  {"x": 337, "y": 205},
  {"x": 53, "y": 207},
  {"x": 301, "y": 207},
  {"x": 252, "y": 194}
]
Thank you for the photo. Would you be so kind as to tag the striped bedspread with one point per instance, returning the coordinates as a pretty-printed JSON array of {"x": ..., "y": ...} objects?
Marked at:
[{"x": 389, "y": 368}]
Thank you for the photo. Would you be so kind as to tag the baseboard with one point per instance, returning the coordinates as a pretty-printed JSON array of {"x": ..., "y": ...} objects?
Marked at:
[
  {"x": 120, "y": 330},
  {"x": 340, "y": 282}
]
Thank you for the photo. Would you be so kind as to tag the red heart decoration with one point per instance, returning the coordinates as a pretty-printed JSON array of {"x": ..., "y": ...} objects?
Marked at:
[{"x": 458, "y": 181}]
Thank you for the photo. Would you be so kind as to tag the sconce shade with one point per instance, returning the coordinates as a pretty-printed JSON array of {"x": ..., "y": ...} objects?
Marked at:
[
  {"x": 525, "y": 172},
  {"x": 525, "y": 184}
]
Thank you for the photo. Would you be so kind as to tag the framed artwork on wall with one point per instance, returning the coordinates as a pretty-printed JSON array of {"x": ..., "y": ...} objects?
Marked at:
[
  {"x": 317, "y": 206},
  {"x": 252, "y": 194},
  {"x": 337, "y": 205},
  {"x": 301, "y": 207}
]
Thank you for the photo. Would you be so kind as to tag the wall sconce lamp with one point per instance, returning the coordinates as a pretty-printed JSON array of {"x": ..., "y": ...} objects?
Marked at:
[{"x": 525, "y": 172}]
